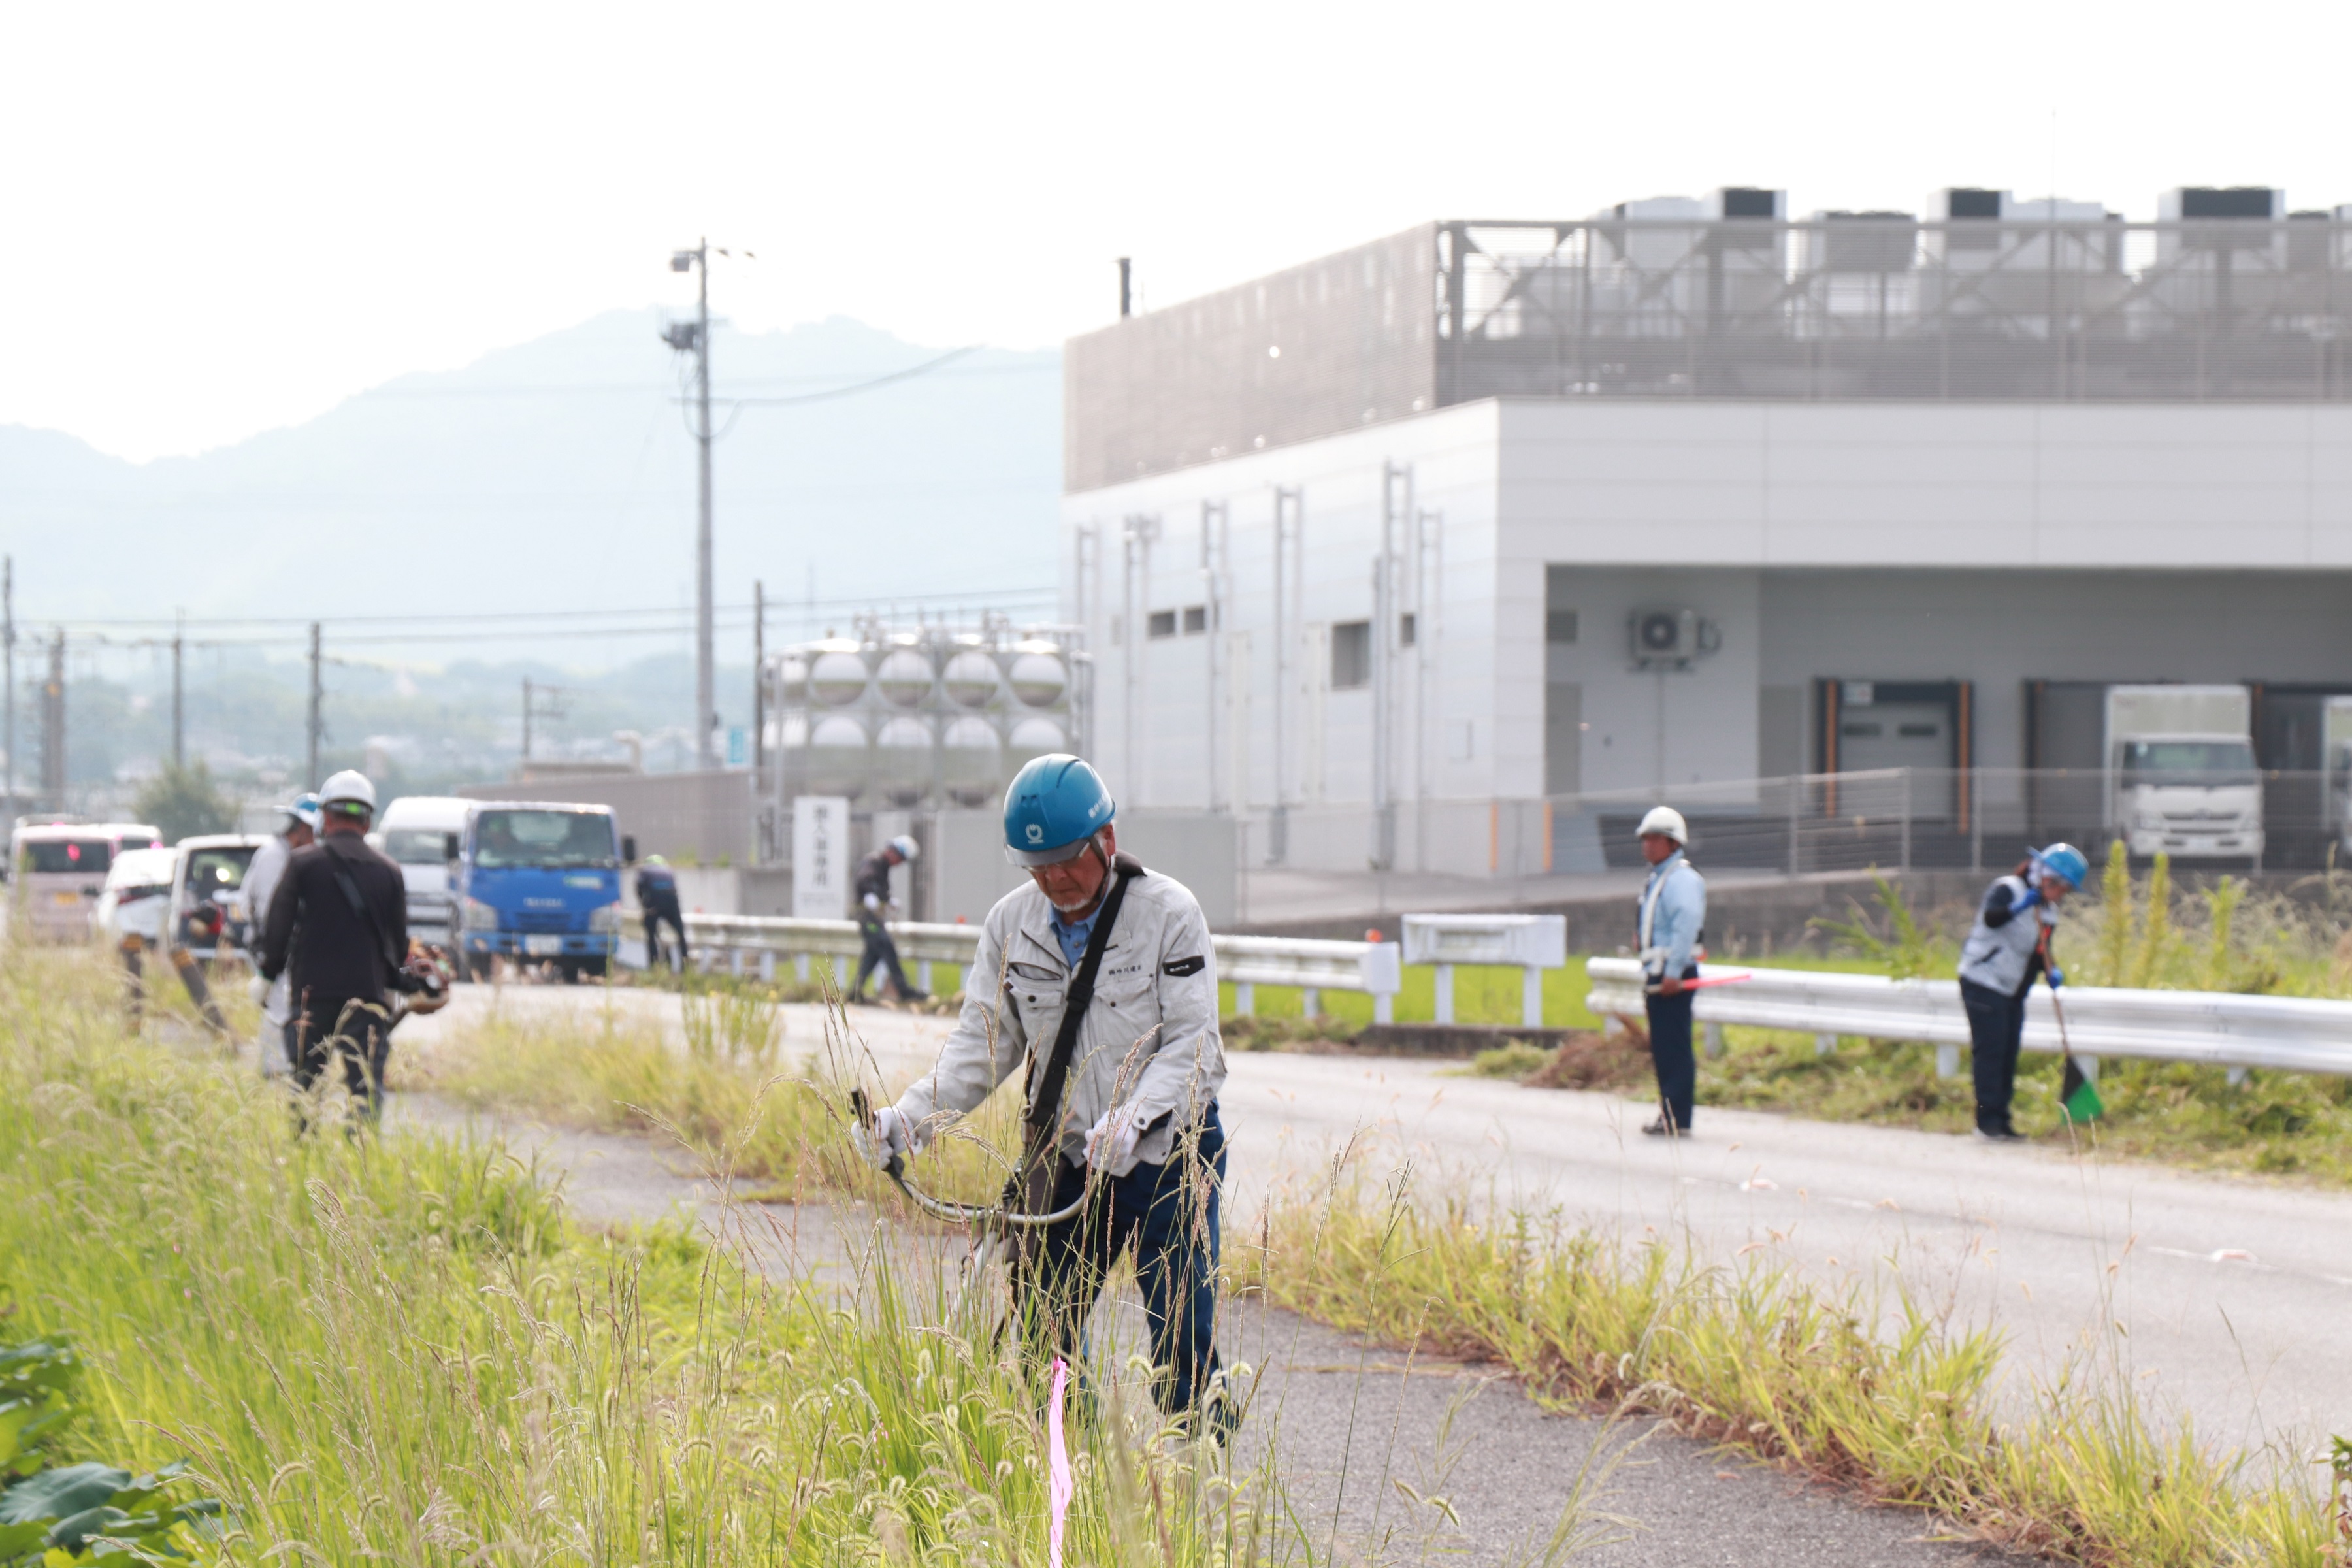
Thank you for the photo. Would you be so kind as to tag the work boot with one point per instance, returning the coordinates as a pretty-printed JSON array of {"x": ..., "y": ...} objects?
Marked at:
[
  {"x": 1659, "y": 1127},
  {"x": 2001, "y": 1132}
]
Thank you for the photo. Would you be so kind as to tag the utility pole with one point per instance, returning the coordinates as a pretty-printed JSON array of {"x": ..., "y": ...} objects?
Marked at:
[
  {"x": 695, "y": 337},
  {"x": 179, "y": 729},
  {"x": 758, "y": 676},
  {"x": 8, "y": 636},
  {"x": 53, "y": 725},
  {"x": 318, "y": 726}
]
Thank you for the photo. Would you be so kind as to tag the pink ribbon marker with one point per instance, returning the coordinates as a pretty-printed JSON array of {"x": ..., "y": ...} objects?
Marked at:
[{"x": 1058, "y": 1486}]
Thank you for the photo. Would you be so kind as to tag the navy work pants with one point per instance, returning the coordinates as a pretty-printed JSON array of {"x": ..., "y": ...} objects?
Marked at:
[
  {"x": 882, "y": 952},
  {"x": 1670, "y": 1052},
  {"x": 355, "y": 1032},
  {"x": 660, "y": 913},
  {"x": 1167, "y": 1215},
  {"x": 1996, "y": 1030}
]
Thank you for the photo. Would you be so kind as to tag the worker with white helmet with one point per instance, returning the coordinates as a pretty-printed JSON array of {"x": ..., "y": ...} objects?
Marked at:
[
  {"x": 338, "y": 928},
  {"x": 1670, "y": 924},
  {"x": 873, "y": 889}
]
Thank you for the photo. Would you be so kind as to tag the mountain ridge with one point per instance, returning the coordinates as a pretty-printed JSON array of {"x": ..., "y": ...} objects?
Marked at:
[{"x": 559, "y": 473}]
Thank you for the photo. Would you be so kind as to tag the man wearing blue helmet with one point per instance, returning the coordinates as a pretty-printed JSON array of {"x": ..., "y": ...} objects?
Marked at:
[
  {"x": 1098, "y": 981},
  {"x": 2007, "y": 947}
]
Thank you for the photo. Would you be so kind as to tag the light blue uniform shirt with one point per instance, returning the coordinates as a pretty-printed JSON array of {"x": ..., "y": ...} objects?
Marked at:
[
  {"x": 1672, "y": 911},
  {"x": 1073, "y": 935}
]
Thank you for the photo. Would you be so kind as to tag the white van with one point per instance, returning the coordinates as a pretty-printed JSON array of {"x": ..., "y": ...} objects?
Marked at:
[{"x": 421, "y": 834}]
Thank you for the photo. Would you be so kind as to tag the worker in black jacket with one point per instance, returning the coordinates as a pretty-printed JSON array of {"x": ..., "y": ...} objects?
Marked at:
[
  {"x": 873, "y": 889},
  {"x": 338, "y": 927}
]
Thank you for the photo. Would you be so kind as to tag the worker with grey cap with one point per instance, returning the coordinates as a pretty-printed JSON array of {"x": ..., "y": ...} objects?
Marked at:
[{"x": 1670, "y": 925}]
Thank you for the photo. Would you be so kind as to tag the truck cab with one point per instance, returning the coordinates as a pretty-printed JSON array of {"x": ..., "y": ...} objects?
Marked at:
[
  {"x": 2189, "y": 795},
  {"x": 539, "y": 882}
]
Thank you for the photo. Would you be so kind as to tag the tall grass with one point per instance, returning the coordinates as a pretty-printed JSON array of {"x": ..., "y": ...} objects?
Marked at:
[
  {"x": 1877, "y": 1393},
  {"x": 403, "y": 1350}
]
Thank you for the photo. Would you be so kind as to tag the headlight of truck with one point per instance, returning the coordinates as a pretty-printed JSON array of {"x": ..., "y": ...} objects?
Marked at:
[
  {"x": 476, "y": 915},
  {"x": 606, "y": 921},
  {"x": 2146, "y": 821}
]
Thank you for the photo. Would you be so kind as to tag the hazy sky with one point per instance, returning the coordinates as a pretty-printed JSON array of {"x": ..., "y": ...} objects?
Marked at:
[{"x": 223, "y": 218}]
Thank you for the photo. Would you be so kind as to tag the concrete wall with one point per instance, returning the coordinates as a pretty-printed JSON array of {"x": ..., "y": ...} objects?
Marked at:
[
  {"x": 1180, "y": 751},
  {"x": 969, "y": 873},
  {"x": 701, "y": 815}
]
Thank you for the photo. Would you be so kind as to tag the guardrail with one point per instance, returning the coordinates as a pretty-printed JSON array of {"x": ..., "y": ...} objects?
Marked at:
[
  {"x": 2210, "y": 1028},
  {"x": 743, "y": 941}
]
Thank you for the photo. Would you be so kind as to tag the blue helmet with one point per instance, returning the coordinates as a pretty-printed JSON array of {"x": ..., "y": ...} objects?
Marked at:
[
  {"x": 1055, "y": 805},
  {"x": 2064, "y": 862}
]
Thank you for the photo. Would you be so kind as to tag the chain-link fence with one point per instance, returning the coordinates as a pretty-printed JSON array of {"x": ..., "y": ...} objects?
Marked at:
[{"x": 1892, "y": 819}]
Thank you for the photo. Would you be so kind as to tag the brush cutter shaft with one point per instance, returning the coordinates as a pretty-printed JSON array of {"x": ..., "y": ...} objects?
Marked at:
[{"x": 960, "y": 1213}]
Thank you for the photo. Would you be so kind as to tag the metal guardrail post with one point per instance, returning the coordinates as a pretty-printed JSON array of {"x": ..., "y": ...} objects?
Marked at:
[
  {"x": 1245, "y": 999},
  {"x": 1445, "y": 1010},
  {"x": 1795, "y": 813},
  {"x": 1531, "y": 997}
]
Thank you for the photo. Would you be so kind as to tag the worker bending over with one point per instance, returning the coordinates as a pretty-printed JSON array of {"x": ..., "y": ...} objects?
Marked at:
[
  {"x": 1097, "y": 979},
  {"x": 1670, "y": 925},
  {"x": 658, "y": 906},
  {"x": 2007, "y": 947}
]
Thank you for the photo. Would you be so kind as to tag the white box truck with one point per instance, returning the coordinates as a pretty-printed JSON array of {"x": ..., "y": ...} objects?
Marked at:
[
  {"x": 2336, "y": 750},
  {"x": 2180, "y": 770},
  {"x": 421, "y": 833}
]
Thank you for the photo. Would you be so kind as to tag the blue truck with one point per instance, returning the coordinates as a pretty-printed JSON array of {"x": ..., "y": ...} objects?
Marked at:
[{"x": 539, "y": 882}]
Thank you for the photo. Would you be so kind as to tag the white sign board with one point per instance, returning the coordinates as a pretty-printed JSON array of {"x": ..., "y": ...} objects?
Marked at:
[
  {"x": 1534, "y": 942},
  {"x": 821, "y": 868}
]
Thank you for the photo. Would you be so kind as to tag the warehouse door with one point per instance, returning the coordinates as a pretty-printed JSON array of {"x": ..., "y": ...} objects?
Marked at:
[{"x": 1919, "y": 725}]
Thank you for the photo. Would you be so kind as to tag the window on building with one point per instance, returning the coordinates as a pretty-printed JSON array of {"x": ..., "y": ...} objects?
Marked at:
[
  {"x": 1351, "y": 654},
  {"x": 1408, "y": 629},
  {"x": 1162, "y": 624},
  {"x": 1196, "y": 620},
  {"x": 1560, "y": 625}
]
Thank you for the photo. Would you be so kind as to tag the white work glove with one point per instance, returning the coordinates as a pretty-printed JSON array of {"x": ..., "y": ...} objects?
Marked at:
[
  {"x": 891, "y": 1135},
  {"x": 258, "y": 989},
  {"x": 1110, "y": 1143}
]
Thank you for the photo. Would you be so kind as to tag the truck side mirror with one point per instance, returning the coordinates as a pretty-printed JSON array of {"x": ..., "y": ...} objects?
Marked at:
[
  {"x": 450, "y": 849},
  {"x": 628, "y": 848}
]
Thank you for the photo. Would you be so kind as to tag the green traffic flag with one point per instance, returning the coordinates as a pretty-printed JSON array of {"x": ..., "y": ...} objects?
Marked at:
[{"x": 2079, "y": 1094}]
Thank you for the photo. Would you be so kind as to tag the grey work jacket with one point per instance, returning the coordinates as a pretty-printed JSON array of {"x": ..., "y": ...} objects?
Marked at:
[
  {"x": 1999, "y": 957},
  {"x": 1151, "y": 1036}
]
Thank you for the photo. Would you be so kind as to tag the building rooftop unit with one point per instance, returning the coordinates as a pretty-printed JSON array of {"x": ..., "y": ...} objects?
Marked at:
[{"x": 2227, "y": 297}]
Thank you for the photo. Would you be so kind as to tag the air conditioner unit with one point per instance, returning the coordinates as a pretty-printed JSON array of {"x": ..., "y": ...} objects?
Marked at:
[{"x": 1670, "y": 639}]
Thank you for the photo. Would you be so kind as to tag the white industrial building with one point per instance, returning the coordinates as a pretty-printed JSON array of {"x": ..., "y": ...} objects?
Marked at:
[{"x": 1380, "y": 552}]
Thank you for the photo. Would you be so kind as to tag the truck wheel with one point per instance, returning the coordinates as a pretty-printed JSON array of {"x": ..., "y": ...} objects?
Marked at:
[
  {"x": 478, "y": 967},
  {"x": 570, "y": 969},
  {"x": 594, "y": 968}
]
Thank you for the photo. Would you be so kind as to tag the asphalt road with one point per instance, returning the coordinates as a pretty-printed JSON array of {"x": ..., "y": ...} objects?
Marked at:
[{"x": 2216, "y": 1298}]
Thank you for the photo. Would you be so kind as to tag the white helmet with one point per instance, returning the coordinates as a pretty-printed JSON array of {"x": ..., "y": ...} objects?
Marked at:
[
  {"x": 906, "y": 846},
  {"x": 1664, "y": 819},
  {"x": 347, "y": 789}
]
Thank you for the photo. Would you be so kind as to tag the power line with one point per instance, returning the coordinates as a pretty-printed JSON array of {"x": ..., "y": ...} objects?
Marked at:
[{"x": 464, "y": 617}]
